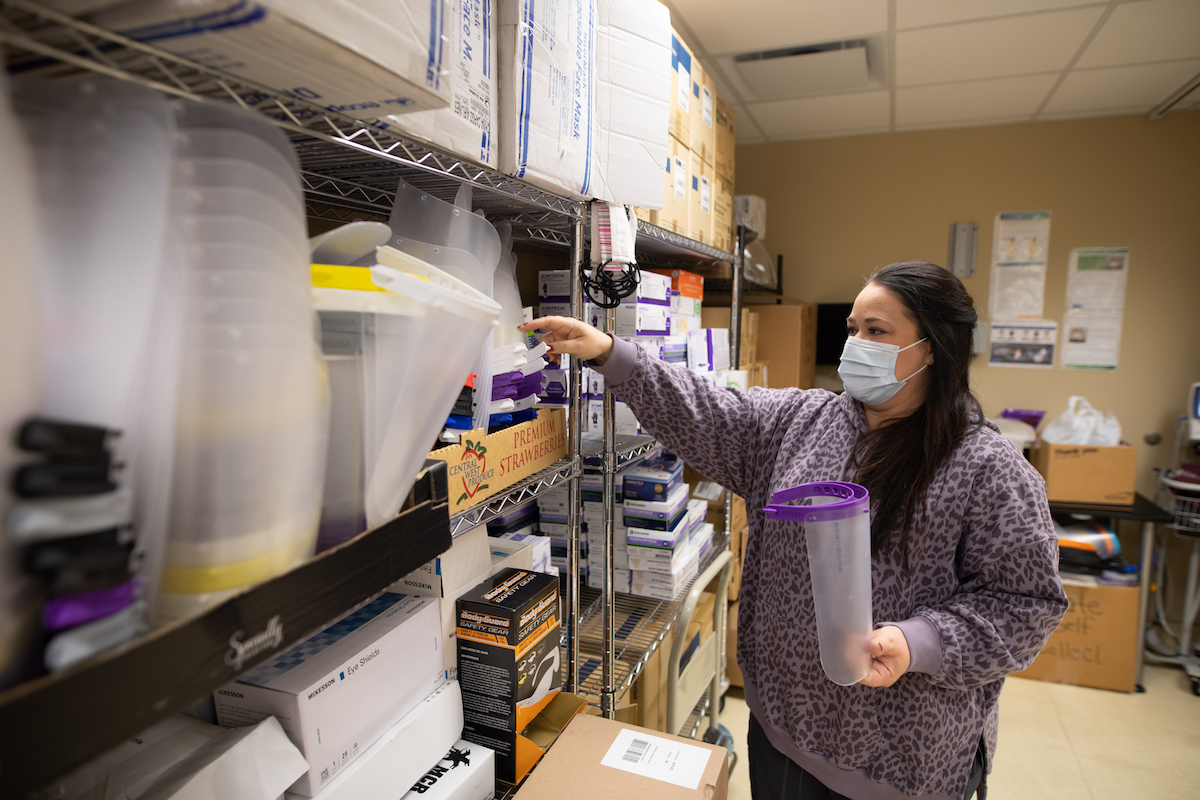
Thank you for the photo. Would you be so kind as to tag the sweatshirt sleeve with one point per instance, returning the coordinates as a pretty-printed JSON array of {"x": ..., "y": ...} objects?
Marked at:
[
  {"x": 719, "y": 431},
  {"x": 1009, "y": 599}
]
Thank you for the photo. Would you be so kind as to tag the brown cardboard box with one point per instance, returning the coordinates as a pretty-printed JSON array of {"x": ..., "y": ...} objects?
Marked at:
[
  {"x": 651, "y": 687},
  {"x": 676, "y": 188},
  {"x": 704, "y": 114},
  {"x": 758, "y": 374},
  {"x": 1096, "y": 643},
  {"x": 732, "y": 671},
  {"x": 700, "y": 193},
  {"x": 787, "y": 338},
  {"x": 723, "y": 235},
  {"x": 716, "y": 514},
  {"x": 573, "y": 769},
  {"x": 1087, "y": 473},
  {"x": 723, "y": 163},
  {"x": 682, "y": 64},
  {"x": 719, "y": 317}
]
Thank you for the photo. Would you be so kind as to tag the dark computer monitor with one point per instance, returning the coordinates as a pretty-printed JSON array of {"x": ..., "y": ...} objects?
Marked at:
[{"x": 831, "y": 331}]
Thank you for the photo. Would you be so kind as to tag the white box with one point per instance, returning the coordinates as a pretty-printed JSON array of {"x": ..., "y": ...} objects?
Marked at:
[
  {"x": 683, "y": 324},
  {"x": 466, "y": 563},
  {"x": 751, "y": 211},
  {"x": 554, "y": 284},
  {"x": 636, "y": 512},
  {"x": 366, "y": 59},
  {"x": 658, "y": 559},
  {"x": 466, "y": 772},
  {"x": 708, "y": 349},
  {"x": 540, "y": 548},
  {"x": 338, "y": 691},
  {"x": 621, "y": 579},
  {"x": 620, "y": 558},
  {"x": 655, "y": 346},
  {"x": 654, "y": 288},
  {"x": 555, "y": 309},
  {"x": 505, "y": 554},
  {"x": 633, "y": 100},
  {"x": 403, "y": 752},
  {"x": 546, "y": 59},
  {"x": 642, "y": 319},
  {"x": 739, "y": 378},
  {"x": 468, "y": 126}
]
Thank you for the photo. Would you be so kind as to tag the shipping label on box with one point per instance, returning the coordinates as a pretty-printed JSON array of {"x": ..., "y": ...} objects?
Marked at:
[
  {"x": 680, "y": 123},
  {"x": 703, "y": 123},
  {"x": 1087, "y": 473},
  {"x": 508, "y": 637},
  {"x": 700, "y": 200},
  {"x": 674, "y": 213},
  {"x": 722, "y": 215},
  {"x": 339, "y": 690},
  {"x": 723, "y": 162}
]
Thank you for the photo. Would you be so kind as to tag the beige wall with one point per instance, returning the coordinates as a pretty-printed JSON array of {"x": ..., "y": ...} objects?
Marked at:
[{"x": 837, "y": 208}]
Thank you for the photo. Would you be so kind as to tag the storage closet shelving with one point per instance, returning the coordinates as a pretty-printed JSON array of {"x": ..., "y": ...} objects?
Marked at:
[{"x": 349, "y": 171}]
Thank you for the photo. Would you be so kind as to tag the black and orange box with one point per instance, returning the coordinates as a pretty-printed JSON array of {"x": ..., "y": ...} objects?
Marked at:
[{"x": 508, "y": 670}]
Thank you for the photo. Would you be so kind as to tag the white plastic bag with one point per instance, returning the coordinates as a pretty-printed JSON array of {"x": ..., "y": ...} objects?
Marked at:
[{"x": 1083, "y": 424}]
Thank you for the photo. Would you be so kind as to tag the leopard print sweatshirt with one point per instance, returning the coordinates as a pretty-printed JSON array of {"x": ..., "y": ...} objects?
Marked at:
[{"x": 982, "y": 598}]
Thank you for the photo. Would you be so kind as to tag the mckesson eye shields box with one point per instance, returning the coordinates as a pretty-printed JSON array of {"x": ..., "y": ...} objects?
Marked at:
[
  {"x": 337, "y": 692},
  {"x": 508, "y": 669}
]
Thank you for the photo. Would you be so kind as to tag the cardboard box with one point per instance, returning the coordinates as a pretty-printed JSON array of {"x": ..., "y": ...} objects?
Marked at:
[
  {"x": 508, "y": 668},
  {"x": 602, "y": 758},
  {"x": 700, "y": 197},
  {"x": 683, "y": 283},
  {"x": 732, "y": 671},
  {"x": 722, "y": 316},
  {"x": 400, "y": 755},
  {"x": 1096, "y": 643},
  {"x": 674, "y": 213},
  {"x": 723, "y": 162},
  {"x": 1087, "y": 473},
  {"x": 679, "y": 124},
  {"x": 546, "y": 86},
  {"x": 468, "y": 127},
  {"x": 363, "y": 58},
  {"x": 482, "y": 465},
  {"x": 338, "y": 691},
  {"x": 787, "y": 339},
  {"x": 633, "y": 100},
  {"x": 466, "y": 772},
  {"x": 723, "y": 234},
  {"x": 757, "y": 374},
  {"x": 704, "y": 96}
]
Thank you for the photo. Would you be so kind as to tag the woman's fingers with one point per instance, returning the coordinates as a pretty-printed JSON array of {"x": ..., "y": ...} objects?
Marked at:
[{"x": 569, "y": 336}]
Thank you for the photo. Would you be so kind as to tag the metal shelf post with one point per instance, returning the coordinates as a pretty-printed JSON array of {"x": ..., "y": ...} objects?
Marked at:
[
  {"x": 608, "y": 607},
  {"x": 575, "y": 416}
]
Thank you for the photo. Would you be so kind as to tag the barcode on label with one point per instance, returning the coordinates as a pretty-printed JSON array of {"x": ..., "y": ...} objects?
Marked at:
[{"x": 636, "y": 750}]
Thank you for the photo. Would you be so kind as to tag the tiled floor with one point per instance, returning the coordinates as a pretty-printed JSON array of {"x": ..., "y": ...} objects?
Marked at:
[{"x": 1070, "y": 743}]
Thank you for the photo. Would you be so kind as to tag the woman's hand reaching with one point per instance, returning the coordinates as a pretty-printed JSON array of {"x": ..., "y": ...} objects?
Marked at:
[{"x": 571, "y": 337}]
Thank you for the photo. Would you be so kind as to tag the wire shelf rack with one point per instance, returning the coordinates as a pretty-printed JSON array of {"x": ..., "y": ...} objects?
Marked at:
[
  {"x": 554, "y": 475},
  {"x": 628, "y": 449}
]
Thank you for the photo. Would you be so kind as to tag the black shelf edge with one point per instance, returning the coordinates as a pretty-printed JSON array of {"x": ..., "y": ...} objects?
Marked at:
[{"x": 50, "y": 725}]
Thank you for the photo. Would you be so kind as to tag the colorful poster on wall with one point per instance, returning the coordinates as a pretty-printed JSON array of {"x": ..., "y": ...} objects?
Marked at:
[
  {"x": 1028, "y": 344},
  {"x": 1096, "y": 277},
  {"x": 1021, "y": 242},
  {"x": 1092, "y": 338}
]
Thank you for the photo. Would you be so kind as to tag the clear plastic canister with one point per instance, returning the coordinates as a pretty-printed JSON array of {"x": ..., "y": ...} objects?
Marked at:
[{"x": 837, "y": 529}]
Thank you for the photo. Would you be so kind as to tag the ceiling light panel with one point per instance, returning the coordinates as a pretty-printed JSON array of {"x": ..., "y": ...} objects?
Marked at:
[
  {"x": 805, "y": 73},
  {"x": 994, "y": 48},
  {"x": 1152, "y": 30},
  {"x": 1118, "y": 90},
  {"x": 721, "y": 27},
  {"x": 1002, "y": 99},
  {"x": 831, "y": 115},
  {"x": 923, "y": 13}
]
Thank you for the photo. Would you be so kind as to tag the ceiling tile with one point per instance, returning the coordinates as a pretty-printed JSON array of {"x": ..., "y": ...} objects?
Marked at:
[
  {"x": 1151, "y": 30},
  {"x": 860, "y": 112},
  {"x": 982, "y": 101},
  {"x": 992, "y": 49},
  {"x": 922, "y": 13},
  {"x": 1119, "y": 89},
  {"x": 766, "y": 24}
]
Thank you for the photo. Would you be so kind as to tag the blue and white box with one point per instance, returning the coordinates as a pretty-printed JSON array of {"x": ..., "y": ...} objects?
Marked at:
[
  {"x": 677, "y": 536},
  {"x": 659, "y": 515},
  {"x": 338, "y": 691},
  {"x": 653, "y": 480}
]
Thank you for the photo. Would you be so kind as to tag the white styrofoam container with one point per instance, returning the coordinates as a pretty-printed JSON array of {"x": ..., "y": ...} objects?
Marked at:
[
  {"x": 546, "y": 89},
  {"x": 633, "y": 101},
  {"x": 468, "y": 126},
  {"x": 364, "y": 58}
]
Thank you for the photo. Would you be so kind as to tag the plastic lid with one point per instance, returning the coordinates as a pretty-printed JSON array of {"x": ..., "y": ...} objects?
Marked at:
[{"x": 835, "y": 500}]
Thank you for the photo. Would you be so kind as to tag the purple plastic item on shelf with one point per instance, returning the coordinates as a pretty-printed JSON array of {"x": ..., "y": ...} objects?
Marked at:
[
  {"x": 504, "y": 392},
  {"x": 1029, "y": 416},
  {"x": 530, "y": 384},
  {"x": 507, "y": 378},
  {"x": 73, "y": 610}
]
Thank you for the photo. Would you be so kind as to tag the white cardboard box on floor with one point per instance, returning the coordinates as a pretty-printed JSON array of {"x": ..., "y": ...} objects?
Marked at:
[
  {"x": 467, "y": 772},
  {"x": 403, "y": 753},
  {"x": 363, "y": 58},
  {"x": 546, "y": 52},
  {"x": 336, "y": 692}
]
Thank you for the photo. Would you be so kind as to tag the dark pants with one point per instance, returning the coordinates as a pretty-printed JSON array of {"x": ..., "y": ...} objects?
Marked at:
[{"x": 774, "y": 776}]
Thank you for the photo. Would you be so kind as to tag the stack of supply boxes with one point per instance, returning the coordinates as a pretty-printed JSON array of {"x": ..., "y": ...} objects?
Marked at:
[
  {"x": 519, "y": 527},
  {"x": 593, "y": 519},
  {"x": 661, "y": 523},
  {"x": 553, "y": 507}
]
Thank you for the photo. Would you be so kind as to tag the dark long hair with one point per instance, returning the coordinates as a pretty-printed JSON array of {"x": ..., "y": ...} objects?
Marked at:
[{"x": 897, "y": 461}]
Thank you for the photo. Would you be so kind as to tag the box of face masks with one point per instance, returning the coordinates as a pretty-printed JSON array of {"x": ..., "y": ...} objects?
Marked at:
[{"x": 337, "y": 692}]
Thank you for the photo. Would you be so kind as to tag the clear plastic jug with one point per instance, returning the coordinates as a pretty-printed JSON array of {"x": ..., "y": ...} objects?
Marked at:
[{"x": 837, "y": 530}]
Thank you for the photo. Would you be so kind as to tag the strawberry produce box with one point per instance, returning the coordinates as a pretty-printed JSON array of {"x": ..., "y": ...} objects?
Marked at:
[{"x": 480, "y": 465}]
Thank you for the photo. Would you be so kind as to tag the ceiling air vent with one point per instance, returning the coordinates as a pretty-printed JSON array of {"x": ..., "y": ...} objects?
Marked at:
[{"x": 808, "y": 70}]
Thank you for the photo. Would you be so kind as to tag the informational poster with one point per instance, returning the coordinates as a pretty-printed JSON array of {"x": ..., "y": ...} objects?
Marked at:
[
  {"x": 1029, "y": 344},
  {"x": 1092, "y": 338},
  {"x": 1096, "y": 277},
  {"x": 1020, "y": 245}
]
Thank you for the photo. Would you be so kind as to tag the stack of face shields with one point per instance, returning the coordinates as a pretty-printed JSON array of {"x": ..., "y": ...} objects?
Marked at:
[{"x": 253, "y": 413}]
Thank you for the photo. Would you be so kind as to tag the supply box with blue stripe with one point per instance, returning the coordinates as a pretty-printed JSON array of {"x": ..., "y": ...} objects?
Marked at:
[
  {"x": 508, "y": 668},
  {"x": 338, "y": 691}
]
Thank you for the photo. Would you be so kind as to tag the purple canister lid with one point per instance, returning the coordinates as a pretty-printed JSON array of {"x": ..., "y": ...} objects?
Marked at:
[{"x": 821, "y": 502}]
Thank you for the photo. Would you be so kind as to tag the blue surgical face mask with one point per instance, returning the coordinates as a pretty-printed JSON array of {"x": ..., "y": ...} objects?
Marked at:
[{"x": 868, "y": 370}]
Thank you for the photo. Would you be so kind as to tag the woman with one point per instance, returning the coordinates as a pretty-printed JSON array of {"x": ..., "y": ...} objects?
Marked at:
[{"x": 964, "y": 556}]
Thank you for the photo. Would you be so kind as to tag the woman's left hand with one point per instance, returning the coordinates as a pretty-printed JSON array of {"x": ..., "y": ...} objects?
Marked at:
[{"x": 889, "y": 656}]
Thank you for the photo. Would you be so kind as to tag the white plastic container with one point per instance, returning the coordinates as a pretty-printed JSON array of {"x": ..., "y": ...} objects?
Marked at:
[{"x": 837, "y": 530}]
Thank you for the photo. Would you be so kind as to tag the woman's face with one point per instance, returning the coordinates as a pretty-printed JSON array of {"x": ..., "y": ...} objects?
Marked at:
[{"x": 879, "y": 316}]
